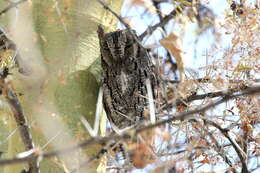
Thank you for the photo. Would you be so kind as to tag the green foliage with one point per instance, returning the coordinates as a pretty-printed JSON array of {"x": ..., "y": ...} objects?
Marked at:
[{"x": 77, "y": 97}]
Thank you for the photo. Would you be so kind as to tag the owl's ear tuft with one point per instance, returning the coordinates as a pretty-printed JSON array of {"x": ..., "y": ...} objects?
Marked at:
[{"x": 100, "y": 32}]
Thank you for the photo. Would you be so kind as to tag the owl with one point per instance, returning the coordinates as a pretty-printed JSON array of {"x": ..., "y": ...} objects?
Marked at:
[{"x": 126, "y": 67}]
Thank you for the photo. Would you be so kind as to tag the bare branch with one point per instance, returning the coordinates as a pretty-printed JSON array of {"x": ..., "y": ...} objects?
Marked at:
[
  {"x": 92, "y": 158},
  {"x": 219, "y": 149},
  {"x": 163, "y": 22},
  {"x": 206, "y": 80},
  {"x": 202, "y": 80},
  {"x": 183, "y": 115},
  {"x": 233, "y": 143},
  {"x": 194, "y": 97},
  {"x": 12, "y": 5}
]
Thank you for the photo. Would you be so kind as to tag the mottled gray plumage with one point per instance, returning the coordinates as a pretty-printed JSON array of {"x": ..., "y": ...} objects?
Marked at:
[{"x": 126, "y": 66}]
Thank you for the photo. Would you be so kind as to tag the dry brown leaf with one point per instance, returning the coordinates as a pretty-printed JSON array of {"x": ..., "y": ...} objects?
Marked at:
[
  {"x": 257, "y": 140},
  {"x": 202, "y": 143},
  {"x": 181, "y": 108},
  {"x": 141, "y": 156},
  {"x": 247, "y": 128},
  {"x": 67, "y": 3},
  {"x": 235, "y": 40},
  {"x": 138, "y": 2},
  {"x": 166, "y": 136},
  {"x": 173, "y": 44},
  {"x": 146, "y": 113},
  {"x": 205, "y": 160}
]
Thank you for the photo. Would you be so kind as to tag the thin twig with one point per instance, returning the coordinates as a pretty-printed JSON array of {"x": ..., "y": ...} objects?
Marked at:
[
  {"x": 12, "y": 5},
  {"x": 207, "y": 80},
  {"x": 183, "y": 115},
  {"x": 99, "y": 108},
  {"x": 198, "y": 97},
  {"x": 234, "y": 145},
  {"x": 92, "y": 158},
  {"x": 168, "y": 55},
  {"x": 201, "y": 80},
  {"x": 163, "y": 22},
  {"x": 219, "y": 149}
]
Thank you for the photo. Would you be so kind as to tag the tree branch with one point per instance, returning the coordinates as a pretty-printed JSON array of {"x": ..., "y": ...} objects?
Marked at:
[
  {"x": 201, "y": 96},
  {"x": 207, "y": 80},
  {"x": 12, "y": 5},
  {"x": 238, "y": 150},
  {"x": 183, "y": 115},
  {"x": 163, "y": 22},
  {"x": 92, "y": 158},
  {"x": 20, "y": 119},
  {"x": 129, "y": 133},
  {"x": 219, "y": 149}
]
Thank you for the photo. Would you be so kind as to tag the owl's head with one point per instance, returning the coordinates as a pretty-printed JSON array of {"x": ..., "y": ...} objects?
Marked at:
[{"x": 116, "y": 46}]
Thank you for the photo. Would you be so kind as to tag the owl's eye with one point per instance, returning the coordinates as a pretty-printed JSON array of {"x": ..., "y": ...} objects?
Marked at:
[
  {"x": 127, "y": 46},
  {"x": 106, "y": 48},
  {"x": 104, "y": 45},
  {"x": 131, "y": 67}
]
